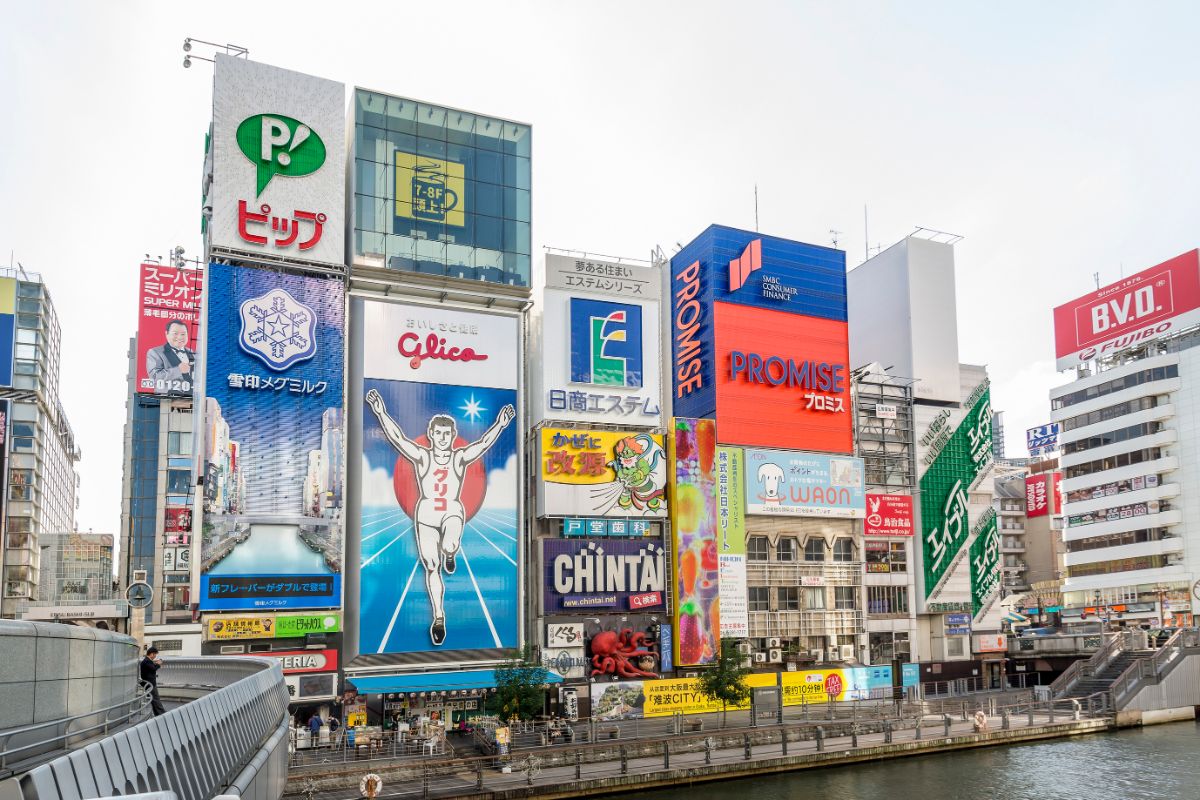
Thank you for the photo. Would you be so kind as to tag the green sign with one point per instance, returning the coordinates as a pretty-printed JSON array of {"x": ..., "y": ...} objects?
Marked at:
[
  {"x": 279, "y": 145},
  {"x": 945, "y": 523},
  {"x": 731, "y": 504},
  {"x": 295, "y": 625},
  {"x": 985, "y": 562}
]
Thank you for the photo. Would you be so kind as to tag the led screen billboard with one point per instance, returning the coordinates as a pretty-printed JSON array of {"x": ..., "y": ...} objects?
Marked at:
[
  {"x": 1155, "y": 302},
  {"x": 693, "y": 447},
  {"x": 272, "y": 526},
  {"x": 601, "y": 474},
  {"x": 782, "y": 482},
  {"x": 168, "y": 326},
  {"x": 440, "y": 480}
]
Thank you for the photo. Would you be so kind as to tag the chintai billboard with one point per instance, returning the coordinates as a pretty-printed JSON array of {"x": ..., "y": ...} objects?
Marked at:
[
  {"x": 272, "y": 525},
  {"x": 581, "y": 576},
  {"x": 439, "y": 488}
]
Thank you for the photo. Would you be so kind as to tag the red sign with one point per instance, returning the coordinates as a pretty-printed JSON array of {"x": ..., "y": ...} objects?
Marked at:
[
  {"x": 833, "y": 684},
  {"x": 645, "y": 600},
  {"x": 177, "y": 520},
  {"x": 1037, "y": 495},
  {"x": 783, "y": 380},
  {"x": 889, "y": 515},
  {"x": 1152, "y": 303},
  {"x": 1056, "y": 482},
  {"x": 297, "y": 661},
  {"x": 167, "y": 327}
]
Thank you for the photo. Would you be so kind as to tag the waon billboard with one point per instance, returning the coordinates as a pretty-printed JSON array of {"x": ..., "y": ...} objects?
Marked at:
[
  {"x": 1152, "y": 303},
  {"x": 760, "y": 340}
]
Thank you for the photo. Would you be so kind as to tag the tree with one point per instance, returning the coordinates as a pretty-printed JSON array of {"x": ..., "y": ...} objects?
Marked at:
[
  {"x": 726, "y": 679},
  {"x": 520, "y": 688}
]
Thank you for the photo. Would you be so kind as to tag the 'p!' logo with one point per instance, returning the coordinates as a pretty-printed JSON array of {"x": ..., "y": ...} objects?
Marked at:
[{"x": 279, "y": 145}]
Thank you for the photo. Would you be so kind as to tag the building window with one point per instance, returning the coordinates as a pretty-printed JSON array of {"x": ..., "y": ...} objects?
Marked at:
[
  {"x": 1112, "y": 412},
  {"x": 1115, "y": 385},
  {"x": 786, "y": 549},
  {"x": 177, "y": 481},
  {"x": 757, "y": 548},
  {"x": 884, "y": 600},
  {"x": 179, "y": 443},
  {"x": 814, "y": 598},
  {"x": 954, "y": 646},
  {"x": 759, "y": 597},
  {"x": 846, "y": 597},
  {"x": 814, "y": 549},
  {"x": 1113, "y": 462},
  {"x": 843, "y": 549},
  {"x": 1118, "y": 565},
  {"x": 789, "y": 598},
  {"x": 1112, "y": 437}
]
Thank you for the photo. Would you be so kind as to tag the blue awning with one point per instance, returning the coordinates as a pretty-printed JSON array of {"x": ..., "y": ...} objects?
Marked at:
[{"x": 432, "y": 681}]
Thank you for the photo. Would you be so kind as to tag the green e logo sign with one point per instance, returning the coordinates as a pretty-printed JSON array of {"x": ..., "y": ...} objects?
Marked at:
[{"x": 279, "y": 145}]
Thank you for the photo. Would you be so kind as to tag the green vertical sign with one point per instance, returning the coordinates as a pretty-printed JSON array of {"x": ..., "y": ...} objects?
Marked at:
[
  {"x": 985, "y": 562},
  {"x": 945, "y": 524}
]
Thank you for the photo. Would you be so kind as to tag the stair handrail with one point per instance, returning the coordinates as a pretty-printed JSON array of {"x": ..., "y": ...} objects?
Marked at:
[
  {"x": 1144, "y": 669},
  {"x": 1088, "y": 667}
]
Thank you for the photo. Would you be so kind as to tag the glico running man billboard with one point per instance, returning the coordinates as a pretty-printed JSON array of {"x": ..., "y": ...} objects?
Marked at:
[
  {"x": 272, "y": 527},
  {"x": 168, "y": 325},
  {"x": 440, "y": 480},
  {"x": 760, "y": 340}
]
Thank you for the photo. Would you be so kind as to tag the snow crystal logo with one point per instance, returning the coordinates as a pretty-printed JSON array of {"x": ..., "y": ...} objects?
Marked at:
[{"x": 278, "y": 330}]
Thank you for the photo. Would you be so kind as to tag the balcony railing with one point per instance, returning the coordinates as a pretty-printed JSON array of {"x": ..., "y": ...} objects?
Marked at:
[
  {"x": 845, "y": 622},
  {"x": 805, "y": 573}
]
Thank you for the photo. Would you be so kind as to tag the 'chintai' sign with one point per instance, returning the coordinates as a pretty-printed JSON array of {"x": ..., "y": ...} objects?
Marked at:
[{"x": 620, "y": 574}]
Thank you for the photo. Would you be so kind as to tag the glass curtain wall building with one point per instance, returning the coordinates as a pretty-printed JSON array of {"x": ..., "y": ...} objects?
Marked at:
[{"x": 440, "y": 192}]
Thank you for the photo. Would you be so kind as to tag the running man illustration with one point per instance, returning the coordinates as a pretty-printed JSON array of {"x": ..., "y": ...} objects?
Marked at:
[{"x": 439, "y": 516}]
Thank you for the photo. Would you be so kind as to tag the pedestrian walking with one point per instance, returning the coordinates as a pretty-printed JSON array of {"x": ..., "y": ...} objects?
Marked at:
[{"x": 149, "y": 669}]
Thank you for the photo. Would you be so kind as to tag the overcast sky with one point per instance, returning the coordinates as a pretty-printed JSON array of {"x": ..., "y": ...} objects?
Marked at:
[{"x": 1057, "y": 138}]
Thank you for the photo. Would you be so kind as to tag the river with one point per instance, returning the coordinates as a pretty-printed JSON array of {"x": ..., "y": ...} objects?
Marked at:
[{"x": 1143, "y": 763}]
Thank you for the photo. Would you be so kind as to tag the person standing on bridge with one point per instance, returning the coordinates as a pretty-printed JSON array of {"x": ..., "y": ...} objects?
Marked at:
[{"x": 149, "y": 668}]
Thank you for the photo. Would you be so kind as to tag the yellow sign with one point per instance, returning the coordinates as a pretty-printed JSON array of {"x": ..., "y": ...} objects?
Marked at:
[
  {"x": 602, "y": 473},
  {"x": 683, "y": 696},
  {"x": 241, "y": 628},
  {"x": 430, "y": 189}
]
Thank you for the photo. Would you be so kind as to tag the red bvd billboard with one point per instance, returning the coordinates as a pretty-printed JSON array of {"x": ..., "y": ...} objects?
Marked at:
[
  {"x": 1154, "y": 302},
  {"x": 888, "y": 515},
  {"x": 782, "y": 380},
  {"x": 169, "y": 315}
]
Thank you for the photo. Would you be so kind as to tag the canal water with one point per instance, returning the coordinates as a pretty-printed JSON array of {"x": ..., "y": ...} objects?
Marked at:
[{"x": 1155, "y": 763}]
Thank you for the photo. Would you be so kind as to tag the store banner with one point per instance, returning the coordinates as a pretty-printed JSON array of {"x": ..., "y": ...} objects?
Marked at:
[
  {"x": 693, "y": 448},
  {"x": 944, "y": 487},
  {"x": 601, "y": 473},
  {"x": 731, "y": 544},
  {"x": 581, "y": 575},
  {"x": 1042, "y": 439},
  {"x": 273, "y": 453},
  {"x": 168, "y": 330},
  {"x": 229, "y": 627},
  {"x": 440, "y": 487},
  {"x": 289, "y": 626},
  {"x": 564, "y": 634},
  {"x": 985, "y": 563},
  {"x": 889, "y": 515},
  {"x": 787, "y": 483},
  {"x": 1037, "y": 495}
]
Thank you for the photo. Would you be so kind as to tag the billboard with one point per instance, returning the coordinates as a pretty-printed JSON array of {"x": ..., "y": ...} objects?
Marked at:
[
  {"x": 985, "y": 562},
  {"x": 581, "y": 575},
  {"x": 1155, "y": 302},
  {"x": 786, "y": 483},
  {"x": 272, "y": 525},
  {"x": 601, "y": 473},
  {"x": 1042, "y": 439},
  {"x": 693, "y": 448},
  {"x": 888, "y": 515},
  {"x": 1037, "y": 495},
  {"x": 731, "y": 543},
  {"x": 944, "y": 486},
  {"x": 168, "y": 327},
  {"x": 278, "y": 163},
  {"x": 600, "y": 343},
  {"x": 8, "y": 328},
  {"x": 440, "y": 481},
  {"x": 760, "y": 340}
]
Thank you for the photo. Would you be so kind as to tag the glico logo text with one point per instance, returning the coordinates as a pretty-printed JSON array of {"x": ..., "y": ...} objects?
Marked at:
[
  {"x": 411, "y": 347},
  {"x": 775, "y": 371}
]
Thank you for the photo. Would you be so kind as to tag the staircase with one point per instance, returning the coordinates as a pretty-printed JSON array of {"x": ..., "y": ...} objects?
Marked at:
[{"x": 1102, "y": 679}]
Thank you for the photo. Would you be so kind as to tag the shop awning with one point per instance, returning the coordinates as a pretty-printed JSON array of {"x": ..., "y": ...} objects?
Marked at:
[{"x": 432, "y": 681}]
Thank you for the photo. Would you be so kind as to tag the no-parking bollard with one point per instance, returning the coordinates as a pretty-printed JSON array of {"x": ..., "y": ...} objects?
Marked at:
[
  {"x": 946, "y": 723},
  {"x": 1005, "y": 722},
  {"x": 578, "y": 761},
  {"x": 746, "y": 744},
  {"x": 887, "y": 731},
  {"x": 964, "y": 710},
  {"x": 820, "y": 734},
  {"x": 708, "y": 748},
  {"x": 624, "y": 761}
]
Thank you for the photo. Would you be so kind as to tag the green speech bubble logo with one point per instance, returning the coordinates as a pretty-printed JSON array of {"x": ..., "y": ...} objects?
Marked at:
[{"x": 279, "y": 145}]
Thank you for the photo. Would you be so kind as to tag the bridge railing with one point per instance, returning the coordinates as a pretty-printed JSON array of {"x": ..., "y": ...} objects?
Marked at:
[
  {"x": 1088, "y": 667},
  {"x": 1145, "y": 670},
  {"x": 231, "y": 739}
]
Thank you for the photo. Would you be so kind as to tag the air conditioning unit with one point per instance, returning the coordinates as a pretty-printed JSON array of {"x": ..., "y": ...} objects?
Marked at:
[
  {"x": 817, "y": 655},
  {"x": 773, "y": 642},
  {"x": 775, "y": 655},
  {"x": 744, "y": 648},
  {"x": 847, "y": 652},
  {"x": 746, "y": 663},
  {"x": 139, "y": 576},
  {"x": 691, "y": 674},
  {"x": 760, "y": 657},
  {"x": 833, "y": 655}
]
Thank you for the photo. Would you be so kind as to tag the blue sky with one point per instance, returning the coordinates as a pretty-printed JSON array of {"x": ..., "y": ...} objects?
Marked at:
[{"x": 1056, "y": 138}]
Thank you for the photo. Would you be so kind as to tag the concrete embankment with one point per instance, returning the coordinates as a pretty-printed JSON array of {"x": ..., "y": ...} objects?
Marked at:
[{"x": 643, "y": 765}]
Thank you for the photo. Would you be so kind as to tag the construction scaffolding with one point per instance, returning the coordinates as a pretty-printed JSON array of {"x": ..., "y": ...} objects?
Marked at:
[{"x": 884, "y": 430}]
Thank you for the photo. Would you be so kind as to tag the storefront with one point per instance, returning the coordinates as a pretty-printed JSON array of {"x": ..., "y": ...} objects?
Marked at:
[{"x": 444, "y": 699}]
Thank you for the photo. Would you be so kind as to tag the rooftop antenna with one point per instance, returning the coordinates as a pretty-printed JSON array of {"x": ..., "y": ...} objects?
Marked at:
[
  {"x": 1096, "y": 278},
  {"x": 834, "y": 234}
]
